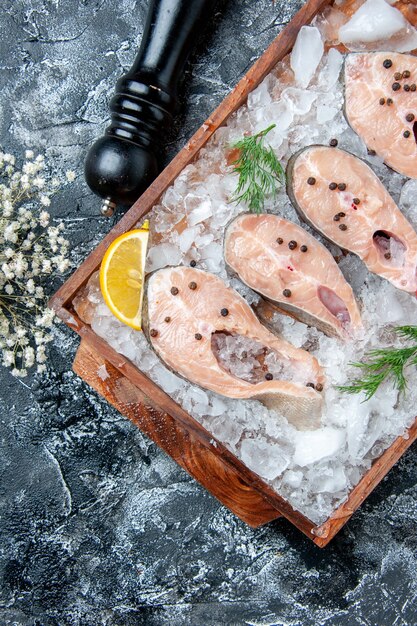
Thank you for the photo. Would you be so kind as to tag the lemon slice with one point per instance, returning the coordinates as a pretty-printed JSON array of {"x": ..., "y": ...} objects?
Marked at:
[{"x": 122, "y": 276}]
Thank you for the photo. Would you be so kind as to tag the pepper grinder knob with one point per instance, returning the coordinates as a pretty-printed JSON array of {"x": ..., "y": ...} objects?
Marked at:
[{"x": 121, "y": 164}]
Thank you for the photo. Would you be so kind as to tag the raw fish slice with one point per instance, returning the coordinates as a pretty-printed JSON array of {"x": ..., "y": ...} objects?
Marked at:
[
  {"x": 304, "y": 281},
  {"x": 358, "y": 215},
  {"x": 389, "y": 128},
  {"x": 187, "y": 309}
]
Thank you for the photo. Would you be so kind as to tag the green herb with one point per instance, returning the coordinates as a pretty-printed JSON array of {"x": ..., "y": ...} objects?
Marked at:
[
  {"x": 260, "y": 172},
  {"x": 385, "y": 364}
]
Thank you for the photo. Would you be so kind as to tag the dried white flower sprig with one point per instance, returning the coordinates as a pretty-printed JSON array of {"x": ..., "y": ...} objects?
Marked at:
[{"x": 30, "y": 251}]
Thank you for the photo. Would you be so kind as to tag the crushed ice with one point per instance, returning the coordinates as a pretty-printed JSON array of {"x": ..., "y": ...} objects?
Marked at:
[
  {"x": 251, "y": 361},
  {"x": 313, "y": 471}
]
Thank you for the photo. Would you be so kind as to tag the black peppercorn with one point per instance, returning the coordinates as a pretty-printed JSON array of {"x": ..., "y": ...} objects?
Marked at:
[
  {"x": 333, "y": 186},
  {"x": 387, "y": 255},
  {"x": 342, "y": 226},
  {"x": 198, "y": 336},
  {"x": 167, "y": 319},
  {"x": 310, "y": 385},
  {"x": 396, "y": 86},
  {"x": 382, "y": 101},
  {"x": 153, "y": 332},
  {"x": 174, "y": 291},
  {"x": 268, "y": 376},
  {"x": 292, "y": 245},
  {"x": 341, "y": 214},
  {"x": 387, "y": 63},
  {"x": 341, "y": 186},
  {"x": 397, "y": 75},
  {"x": 389, "y": 101},
  {"x": 336, "y": 218},
  {"x": 413, "y": 87},
  {"x": 224, "y": 312},
  {"x": 192, "y": 285},
  {"x": 407, "y": 88},
  {"x": 311, "y": 180},
  {"x": 333, "y": 143},
  {"x": 303, "y": 248},
  {"x": 319, "y": 387},
  {"x": 406, "y": 74},
  {"x": 406, "y": 134},
  {"x": 280, "y": 240},
  {"x": 193, "y": 263},
  {"x": 410, "y": 117},
  {"x": 356, "y": 201},
  {"x": 287, "y": 293}
]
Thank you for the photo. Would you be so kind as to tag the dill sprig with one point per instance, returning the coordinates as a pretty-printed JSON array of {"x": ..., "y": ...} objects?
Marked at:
[
  {"x": 384, "y": 364},
  {"x": 260, "y": 172}
]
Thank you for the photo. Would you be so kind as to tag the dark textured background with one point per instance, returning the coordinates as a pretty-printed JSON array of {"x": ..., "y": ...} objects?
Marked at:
[{"x": 99, "y": 526}]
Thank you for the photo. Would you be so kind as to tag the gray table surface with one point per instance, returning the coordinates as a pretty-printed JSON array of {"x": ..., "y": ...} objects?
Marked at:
[{"x": 98, "y": 525}]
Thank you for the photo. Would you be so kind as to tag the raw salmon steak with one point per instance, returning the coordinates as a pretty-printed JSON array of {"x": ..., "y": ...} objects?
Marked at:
[
  {"x": 207, "y": 333},
  {"x": 290, "y": 268},
  {"x": 350, "y": 206},
  {"x": 381, "y": 105}
]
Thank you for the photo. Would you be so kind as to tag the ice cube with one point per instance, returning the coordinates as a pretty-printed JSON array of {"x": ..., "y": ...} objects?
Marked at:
[
  {"x": 306, "y": 54},
  {"x": 283, "y": 114},
  {"x": 375, "y": 20},
  {"x": 261, "y": 96},
  {"x": 162, "y": 255},
  {"x": 315, "y": 445},
  {"x": 213, "y": 256},
  {"x": 354, "y": 270},
  {"x": 357, "y": 425},
  {"x": 163, "y": 220},
  {"x": 103, "y": 310},
  {"x": 203, "y": 240},
  {"x": 167, "y": 380},
  {"x": 325, "y": 113},
  {"x": 147, "y": 361},
  {"x": 299, "y": 100},
  {"x": 202, "y": 212},
  {"x": 226, "y": 430},
  {"x": 408, "y": 201},
  {"x": 187, "y": 238},
  {"x": 292, "y": 478},
  {"x": 334, "y": 481},
  {"x": 265, "y": 459},
  {"x": 104, "y": 326},
  {"x": 128, "y": 349},
  {"x": 198, "y": 396},
  {"x": 388, "y": 304},
  {"x": 333, "y": 67},
  {"x": 221, "y": 215},
  {"x": 217, "y": 406},
  {"x": 171, "y": 198}
]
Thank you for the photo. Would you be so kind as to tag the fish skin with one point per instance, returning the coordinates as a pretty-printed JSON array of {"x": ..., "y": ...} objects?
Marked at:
[
  {"x": 377, "y": 211},
  {"x": 382, "y": 126},
  {"x": 198, "y": 311},
  {"x": 252, "y": 252}
]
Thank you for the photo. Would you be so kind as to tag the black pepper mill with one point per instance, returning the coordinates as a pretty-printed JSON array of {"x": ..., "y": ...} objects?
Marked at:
[{"x": 121, "y": 164}]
